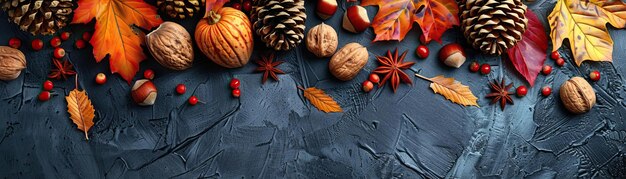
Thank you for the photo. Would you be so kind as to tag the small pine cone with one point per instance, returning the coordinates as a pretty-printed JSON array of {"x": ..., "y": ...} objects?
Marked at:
[
  {"x": 493, "y": 26},
  {"x": 180, "y": 9},
  {"x": 43, "y": 17},
  {"x": 279, "y": 23}
]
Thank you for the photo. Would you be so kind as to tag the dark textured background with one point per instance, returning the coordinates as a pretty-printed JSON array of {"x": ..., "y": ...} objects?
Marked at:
[{"x": 272, "y": 132}]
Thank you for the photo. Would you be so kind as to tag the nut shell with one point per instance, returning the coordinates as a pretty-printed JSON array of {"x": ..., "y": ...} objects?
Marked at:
[
  {"x": 171, "y": 46},
  {"x": 12, "y": 62},
  {"x": 348, "y": 61},
  {"x": 144, "y": 92},
  {"x": 577, "y": 95},
  {"x": 322, "y": 40}
]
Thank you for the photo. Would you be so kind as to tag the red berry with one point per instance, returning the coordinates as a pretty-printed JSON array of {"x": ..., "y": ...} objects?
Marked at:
[
  {"x": 555, "y": 55},
  {"x": 65, "y": 36},
  {"x": 368, "y": 86},
  {"x": 422, "y": 51},
  {"x": 37, "y": 44},
  {"x": 546, "y": 70},
  {"x": 148, "y": 74},
  {"x": 485, "y": 69},
  {"x": 546, "y": 91},
  {"x": 58, "y": 53},
  {"x": 594, "y": 75},
  {"x": 247, "y": 5},
  {"x": 48, "y": 85},
  {"x": 474, "y": 67},
  {"x": 423, "y": 39},
  {"x": 521, "y": 91},
  {"x": 236, "y": 93},
  {"x": 234, "y": 83},
  {"x": 236, "y": 6},
  {"x": 101, "y": 78},
  {"x": 55, "y": 42},
  {"x": 87, "y": 36},
  {"x": 15, "y": 42},
  {"x": 79, "y": 44},
  {"x": 181, "y": 89},
  {"x": 560, "y": 62},
  {"x": 374, "y": 78},
  {"x": 193, "y": 100},
  {"x": 44, "y": 96}
]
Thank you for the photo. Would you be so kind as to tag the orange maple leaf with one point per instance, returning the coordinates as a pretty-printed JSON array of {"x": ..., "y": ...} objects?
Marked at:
[
  {"x": 395, "y": 18},
  {"x": 114, "y": 35}
]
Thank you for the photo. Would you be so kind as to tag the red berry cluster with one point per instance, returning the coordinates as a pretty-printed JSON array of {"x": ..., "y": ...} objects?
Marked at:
[
  {"x": 368, "y": 85},
  {"x": 45, "y": 93},
  {"x": 242, "y": 5},
  {"x": 557, "y": 58},
  {"x": 484, "y": 68},
  {"x": 234, "y": 84}
]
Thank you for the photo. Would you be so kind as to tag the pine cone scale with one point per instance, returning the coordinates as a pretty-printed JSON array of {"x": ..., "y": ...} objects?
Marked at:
[{"x": 40, "y": 16}]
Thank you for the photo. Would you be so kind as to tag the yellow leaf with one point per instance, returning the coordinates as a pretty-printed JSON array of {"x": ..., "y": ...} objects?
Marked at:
[
  {"x": 452, "y": 90},
  {"x": 583, "y": 23},
  {"x": 321, "y": 100},
  {"x": 80, "y": 109}
]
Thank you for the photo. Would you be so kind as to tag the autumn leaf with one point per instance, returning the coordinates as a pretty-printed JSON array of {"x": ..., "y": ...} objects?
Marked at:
[
  {"x": 114, "y": 35},
  {"x": 452, "y": 90},
  {"x": 395, "y": 18},
  {"x": 583, "y": 23},
  {"x": 321, "y": 100},
  {"x": 529, "y": 54},
  {"x": 80, "y": 109}
]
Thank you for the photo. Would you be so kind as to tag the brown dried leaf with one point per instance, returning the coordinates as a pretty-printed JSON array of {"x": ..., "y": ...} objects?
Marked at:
[
  {"x": 452, "y": 90},
  {"x": 321, "y": 100},
  {"x": 80, "y": 109}
]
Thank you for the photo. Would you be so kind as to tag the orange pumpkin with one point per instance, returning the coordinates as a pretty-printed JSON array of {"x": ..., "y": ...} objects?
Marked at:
[{"x": 225, "y": 37}]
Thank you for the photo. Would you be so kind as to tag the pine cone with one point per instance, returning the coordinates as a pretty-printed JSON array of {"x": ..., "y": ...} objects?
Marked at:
[
  {"x": 180, "y": 9},
  {"x": 39, "y": 16},
  {"x": 279, "y": 23},
  {"x": 493, "y": 26}
]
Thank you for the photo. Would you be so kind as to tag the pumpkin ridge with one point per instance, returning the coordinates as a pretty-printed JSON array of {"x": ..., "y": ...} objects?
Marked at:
[{"x": 230, "y": 40}]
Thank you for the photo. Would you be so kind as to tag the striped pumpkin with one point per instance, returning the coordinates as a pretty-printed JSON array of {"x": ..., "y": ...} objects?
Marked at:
[{"x": 225, "y": 37}]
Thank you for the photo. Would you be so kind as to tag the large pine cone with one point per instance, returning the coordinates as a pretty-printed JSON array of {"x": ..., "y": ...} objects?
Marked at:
[
  {"x": 493, "y": 26},
  {"x": 39, "y": 16},
  {"x": 279, "y": 23},
  {"x": 180, "y": 9}
]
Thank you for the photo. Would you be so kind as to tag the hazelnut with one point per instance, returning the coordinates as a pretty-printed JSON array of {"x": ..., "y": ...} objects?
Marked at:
[
  {"x": 355, "y": 19},
  {"x": 171, "y": 46},
  {"x": 144, "y": 92},
  {"x": 577, "y": 95},
  {"x": 348, "y": 61},
  {"x": 12, "y": 62},
  {"x": 322, "y": 40},
  {"x": 326, "y": 8},
  {"x": 452, "y": 55}
]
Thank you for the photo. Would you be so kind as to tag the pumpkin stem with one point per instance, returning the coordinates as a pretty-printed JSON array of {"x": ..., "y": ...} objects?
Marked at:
[{"x": 214, "y": 17}]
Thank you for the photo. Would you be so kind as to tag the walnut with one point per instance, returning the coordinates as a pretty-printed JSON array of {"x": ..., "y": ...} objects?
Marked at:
[
  {"x": 12, "y": 62},
  {"x": 577, "y": 95},
  {"x": 171, "y": 46},
  {"x": 348, "y": 61},
  {"x": 322, "y": 40}
]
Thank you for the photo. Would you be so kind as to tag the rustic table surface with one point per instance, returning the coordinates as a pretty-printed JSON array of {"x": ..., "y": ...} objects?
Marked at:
[{"x": 272, "y": 131}]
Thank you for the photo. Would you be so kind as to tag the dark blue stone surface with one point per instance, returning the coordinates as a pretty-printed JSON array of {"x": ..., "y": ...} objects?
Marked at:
[{"x": 273, "y": 132}]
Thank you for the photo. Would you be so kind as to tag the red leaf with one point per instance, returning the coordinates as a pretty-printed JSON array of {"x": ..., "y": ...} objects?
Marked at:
[
  {"x": 436, "y": 17},
  {"x": 214, "y": 5},
  {"x": 529, "y": 54}
]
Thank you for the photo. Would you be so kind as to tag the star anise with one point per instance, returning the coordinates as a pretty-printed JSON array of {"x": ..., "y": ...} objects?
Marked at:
[
  {"x": 268, "y": 66},
  {"x": 63, "y": 69},
  {"x": 501, "y": 93},
  {"x": 391, "y": 66}
]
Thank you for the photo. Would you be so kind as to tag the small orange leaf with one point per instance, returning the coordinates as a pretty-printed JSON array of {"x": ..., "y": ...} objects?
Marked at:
[
  {"x": 114, "y": 35},
  {"x": 321, "y": 100},
  {"x": 80, "y": 109},
  {"x": 452, "y": 90}
]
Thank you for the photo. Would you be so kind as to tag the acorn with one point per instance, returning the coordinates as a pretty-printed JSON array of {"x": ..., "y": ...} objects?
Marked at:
[{"x": 452, "y": 55}]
